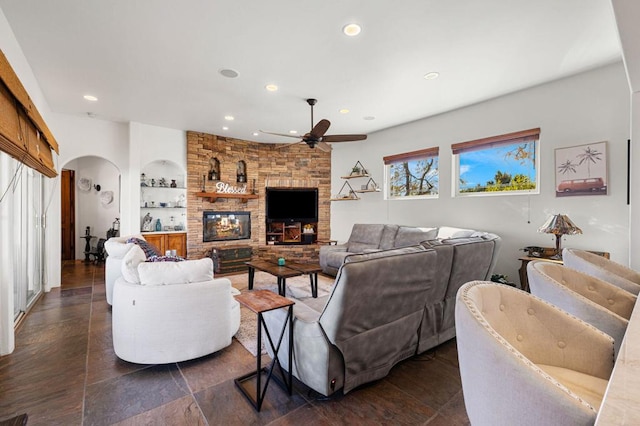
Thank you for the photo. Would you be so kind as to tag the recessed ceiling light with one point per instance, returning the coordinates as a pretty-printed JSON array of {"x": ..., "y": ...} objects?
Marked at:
[
  {"x": 229, "y": 73},
  {"x": 431, "y": 75},
  {"x": 90, "y": 98},
  {"x": 255, "y": 133},
  {"x": 293, "y": 132},
  {"x": 351, "y": 29},
  {"x": 368, "y": 117},
  {"x": 344, "y": 111},
  {"x": 271, "y": 87},
  {"x": 225, "y": 128},
  {"x": 229, "y": 117}
]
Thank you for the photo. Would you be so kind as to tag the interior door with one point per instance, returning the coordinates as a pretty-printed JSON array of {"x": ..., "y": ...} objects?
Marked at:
[{"x": 68, "y": 208}]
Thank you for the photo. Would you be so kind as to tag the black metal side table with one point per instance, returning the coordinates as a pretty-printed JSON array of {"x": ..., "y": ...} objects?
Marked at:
[
  {"x": 87, "y": 247},
  {"x": 261, "y": 301}
]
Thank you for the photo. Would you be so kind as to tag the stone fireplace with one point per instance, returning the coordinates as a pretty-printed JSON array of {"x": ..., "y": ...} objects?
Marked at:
[{"x": 262, "y": 166}]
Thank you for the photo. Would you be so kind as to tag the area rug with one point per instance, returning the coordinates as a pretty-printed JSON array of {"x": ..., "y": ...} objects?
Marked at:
[{"x": 297, "y": 288}]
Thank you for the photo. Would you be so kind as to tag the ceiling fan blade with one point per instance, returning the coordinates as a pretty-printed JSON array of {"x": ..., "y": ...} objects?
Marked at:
[
  {"x": 323, "y": 146},
  {"x": 343, "y": 138},
  {"x": 287, "y": 145},
  {"x": 286, "y": 135},
  {"x": 320, "y": 129}
]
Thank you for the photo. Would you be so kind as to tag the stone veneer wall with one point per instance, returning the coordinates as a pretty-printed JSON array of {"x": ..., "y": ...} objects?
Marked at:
[{"x": 295, "y": 166}]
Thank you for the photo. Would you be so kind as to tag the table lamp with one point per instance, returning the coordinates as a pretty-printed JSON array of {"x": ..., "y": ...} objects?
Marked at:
[{"x": 559, "y": 224}]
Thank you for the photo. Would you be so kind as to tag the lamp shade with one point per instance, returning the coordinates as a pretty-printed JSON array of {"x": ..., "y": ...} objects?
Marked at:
[{"x": 559, "y": 224}]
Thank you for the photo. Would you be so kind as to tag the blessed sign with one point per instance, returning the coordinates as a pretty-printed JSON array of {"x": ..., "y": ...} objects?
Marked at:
[{"x": 225, "y": 188}]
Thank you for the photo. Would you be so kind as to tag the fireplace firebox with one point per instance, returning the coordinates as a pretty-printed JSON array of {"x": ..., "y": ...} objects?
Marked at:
[{"x": 224, "y": 226}]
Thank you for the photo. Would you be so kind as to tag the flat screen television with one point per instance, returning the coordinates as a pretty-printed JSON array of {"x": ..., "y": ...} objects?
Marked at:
[{"x": 292, "y": 204}]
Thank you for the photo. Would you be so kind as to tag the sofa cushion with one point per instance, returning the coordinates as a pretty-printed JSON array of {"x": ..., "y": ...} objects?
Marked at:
[
  {"x": 117, "y": 249},
  {"x": 451, "y": 232},
  {"x": 364, "y": 236},
  {"x": 130, "y": 262},
  {"x": 388, "y": 236},
  {"x": 409, "y": 236},
  {"x": 163, "y": 273}
]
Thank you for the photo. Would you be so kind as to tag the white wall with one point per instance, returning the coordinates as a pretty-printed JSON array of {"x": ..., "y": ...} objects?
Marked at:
[{"x": 590, "y": 107}]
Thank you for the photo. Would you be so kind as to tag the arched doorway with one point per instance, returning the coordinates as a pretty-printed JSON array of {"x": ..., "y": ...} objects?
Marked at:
[{"x": 90, "y": 204}]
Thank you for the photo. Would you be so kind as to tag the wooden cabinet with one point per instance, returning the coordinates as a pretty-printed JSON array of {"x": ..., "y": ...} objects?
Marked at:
[
  {"x": 291, "y": 233},
  {"x": 168, "y": 241}
]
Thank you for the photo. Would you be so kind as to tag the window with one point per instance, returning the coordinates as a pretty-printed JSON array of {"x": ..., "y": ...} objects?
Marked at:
[
  {"x": 497, "y": 165},
  {"x": 412, "y": 175}
]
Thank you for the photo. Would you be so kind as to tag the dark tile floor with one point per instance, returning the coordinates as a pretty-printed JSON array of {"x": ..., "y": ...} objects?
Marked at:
[{"x": 64, "y": 372}]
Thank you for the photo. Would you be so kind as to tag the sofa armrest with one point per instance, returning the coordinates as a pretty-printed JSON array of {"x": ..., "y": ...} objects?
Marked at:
[
  {"x": 326, "y": 250},
  {"x": 330, "y": 248}
]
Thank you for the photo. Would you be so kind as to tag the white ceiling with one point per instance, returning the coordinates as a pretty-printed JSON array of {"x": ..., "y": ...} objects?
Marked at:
[{"x": 158, "y": 61}]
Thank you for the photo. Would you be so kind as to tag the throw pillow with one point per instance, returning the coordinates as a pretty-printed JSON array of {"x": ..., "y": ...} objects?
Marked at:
[
  {"x": 166, "y": 259},
  {"x": 149, "y": 250},
  {"x": 130, "y": 263}
]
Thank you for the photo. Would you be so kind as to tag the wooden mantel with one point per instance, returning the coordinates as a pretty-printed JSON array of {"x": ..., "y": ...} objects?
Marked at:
[{"x": 213, "y": 196}]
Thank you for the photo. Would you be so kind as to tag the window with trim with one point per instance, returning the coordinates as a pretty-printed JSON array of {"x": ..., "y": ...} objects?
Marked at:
[
  {"x": 412, "y": 175},
  {"x": 504, "y": 164}
]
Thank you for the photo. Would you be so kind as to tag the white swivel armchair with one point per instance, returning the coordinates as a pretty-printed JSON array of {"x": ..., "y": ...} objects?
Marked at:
[
  {"x": 525, "y": 362},
  {"x": 597, "y": 302},
  {"x": 167, "y": 312},
  {"x": 603, "y": 268}
]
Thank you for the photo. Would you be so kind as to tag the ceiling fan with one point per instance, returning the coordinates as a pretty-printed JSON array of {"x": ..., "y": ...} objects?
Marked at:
[{"x": 316, "y": 136}]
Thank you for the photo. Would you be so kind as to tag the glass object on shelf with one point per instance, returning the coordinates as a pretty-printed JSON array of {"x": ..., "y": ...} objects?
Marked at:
[{"x": 158, "y": 225}]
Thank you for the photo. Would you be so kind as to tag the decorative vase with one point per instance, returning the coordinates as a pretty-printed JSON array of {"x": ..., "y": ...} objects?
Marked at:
[
  {"x": 158, "y": 225},
  {"x": 173, "y": 183}
]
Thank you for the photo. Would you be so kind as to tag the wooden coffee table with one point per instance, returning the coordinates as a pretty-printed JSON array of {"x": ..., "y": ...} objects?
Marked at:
[
  {"x": 282, "y": 272},
  {"x": 310, "y": 269},
  {"x": 291, "y": 269}
]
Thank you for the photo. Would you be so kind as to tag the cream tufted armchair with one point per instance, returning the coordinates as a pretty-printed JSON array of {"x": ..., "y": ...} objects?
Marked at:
[
  {"x": 603, "y": 268},
  {"x": 597, "y": 302},
  {"x": 524, "y": 361}
]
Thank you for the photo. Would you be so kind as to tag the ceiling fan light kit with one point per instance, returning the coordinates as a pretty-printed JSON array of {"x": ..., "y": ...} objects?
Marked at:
[{"x": 316, "y": 136}]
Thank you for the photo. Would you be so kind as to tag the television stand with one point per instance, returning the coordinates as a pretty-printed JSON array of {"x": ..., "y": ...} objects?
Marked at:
[{"x": 281, "y": 233}]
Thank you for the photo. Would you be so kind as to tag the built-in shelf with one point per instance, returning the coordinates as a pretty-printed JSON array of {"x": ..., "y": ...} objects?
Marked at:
[{"x": 213, "y": 196}]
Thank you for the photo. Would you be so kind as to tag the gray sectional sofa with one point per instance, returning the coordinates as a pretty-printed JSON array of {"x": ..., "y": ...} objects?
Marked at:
[
  {"x": 366, "y": 238},
  {"x": 385, "y": 305}
]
